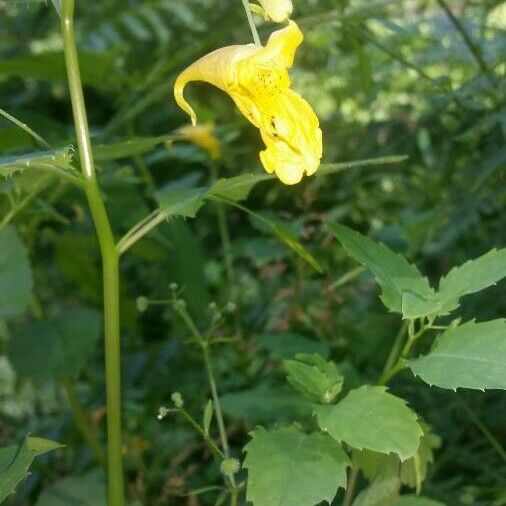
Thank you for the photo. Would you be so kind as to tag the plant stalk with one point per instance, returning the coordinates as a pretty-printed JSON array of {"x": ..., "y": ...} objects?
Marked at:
[
  {"x": 251, "y": 23},
  {"x": 110, "y": 261}
]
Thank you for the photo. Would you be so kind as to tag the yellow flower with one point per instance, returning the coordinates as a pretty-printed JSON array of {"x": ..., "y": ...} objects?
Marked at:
[
  {"x": 277, "y": 10},
  {"x": 256, "y": 78},
  {"x": 202, "y": 136}
]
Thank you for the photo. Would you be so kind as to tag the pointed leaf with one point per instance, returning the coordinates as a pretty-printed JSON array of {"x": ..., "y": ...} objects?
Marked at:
[
  {"x": 237, "y": 188},
  {"x": 16, "y": 460},
  {"x": 470, "y": 356},
  {"x": 393, "y": 272},
  {"x": 370, "y": 417},
  {"x": 286, "y": 467},
  {"x": 185, "y": 202},
  {"x": 471, "y": 277}
]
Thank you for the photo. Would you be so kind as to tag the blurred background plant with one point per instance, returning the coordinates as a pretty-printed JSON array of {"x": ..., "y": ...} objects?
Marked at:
[{"x": 421, "y": 78}]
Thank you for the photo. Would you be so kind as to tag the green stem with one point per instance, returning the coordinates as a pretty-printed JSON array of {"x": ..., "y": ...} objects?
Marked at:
[
  {"x": 226, "y": 246},
  {"x": 110, "y": 261},
  {"x": 26, "y": 128},
  {"x": 82, "y": 422},
  {"x": 251, "y": 23},
  {"x": 484, "y": 429}
]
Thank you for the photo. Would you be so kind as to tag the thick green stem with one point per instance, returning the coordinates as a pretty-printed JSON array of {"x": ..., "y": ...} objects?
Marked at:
[
  {"x": 82, "y": 422},
  {"x": 109, "y": 261}
]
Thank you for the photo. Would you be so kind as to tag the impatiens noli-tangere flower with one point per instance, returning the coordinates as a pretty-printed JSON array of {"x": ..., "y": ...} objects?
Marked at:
[{"x": 256, "y": 78}]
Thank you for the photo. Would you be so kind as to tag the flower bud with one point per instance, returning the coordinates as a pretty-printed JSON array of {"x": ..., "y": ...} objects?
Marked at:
[
  {"x": 142, "y": 304},
  {"x": 229, "y": 467},
  {"x": 177, "y": 399},
  {"x": 277, "y": 10}
]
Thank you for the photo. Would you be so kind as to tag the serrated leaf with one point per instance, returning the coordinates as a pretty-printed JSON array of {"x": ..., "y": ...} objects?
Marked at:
[
  {"x": 15, "y": 461},
  {"x": 58, "y": 348},
  {"x": 286, "y": 467},
  {"x": 370, "y": 417},
  {"x": 16, "y": 281},
  {"x": 237, "y": 188},
  {"x": 471, "y": 277},
  {"x": 394, "y": 273},
  {"x": 413, "y": 500},
  {"x": 62, "y": 158},
  {"x": 89, "y": 490},
  {"x": 313, "y": 377},
  {"x": 470, "y": 356},
  {"x": 184, "y": 202}
]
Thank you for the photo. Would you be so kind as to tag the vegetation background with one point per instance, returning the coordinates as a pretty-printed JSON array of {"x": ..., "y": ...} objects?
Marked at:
[{"x": 387, "y": 78}]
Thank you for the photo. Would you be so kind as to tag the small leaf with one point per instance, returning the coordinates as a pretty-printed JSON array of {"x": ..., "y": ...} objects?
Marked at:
[
  {"x": 61, "y": 158},
  {"x": 471, "y": 277},
  {"x": 470, "y": 356},
  {"x": 208, "y": 416},
  {"x": 313, "y": 377},
  {"x": 184, "y": 202},
  {"x": 286, "y": 467},
  {"x": 393, "y": 272},
  {"x": 16, "y": 281},
  {"x": 16, "y": 460},
  {"x": 370, "y": 417},
  {"x": 237, "y": 188}
]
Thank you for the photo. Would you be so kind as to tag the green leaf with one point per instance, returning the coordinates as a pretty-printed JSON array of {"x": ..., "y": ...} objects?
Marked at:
[
  {"x": 16, "y": 281},
  {"x": 59, "y": 348},
  {"x": 313, "y": 377},
  {"x": 470, "y": 356},
  {"x": 96, "y": 68},
  {"x": 393, "y": 272},
  {"x": 237, "y": 188},
  {"x": 471, "y": 277},
  {"x": 286, "y": 467},
  {"x": 61, "y": 158},
  {"x": 89, "y": 490},
  {"x": 413, "y": 500},
  {"x": 125, "y": 149},
  {"x": 184, "y": 202},
  {"x": 370, "y": 417},
  {"x": 16, "y": 460}
]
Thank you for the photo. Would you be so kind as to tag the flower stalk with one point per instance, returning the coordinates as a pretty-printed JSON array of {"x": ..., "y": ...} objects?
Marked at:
[{"x": 110, "y": 260}]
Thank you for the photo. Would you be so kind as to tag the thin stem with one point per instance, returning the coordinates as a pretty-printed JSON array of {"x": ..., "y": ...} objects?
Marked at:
[
  {"x": 16, "y": 208},
  {"x": 52, "y": 169},
  {"x": 483, "y": 429},
  {"x": 26, "y": 128},
  {"x": 110, "y": 261},
  {"x": 83, "y": 423},
  {"x": 201, "y": 431},
  {"x": 139, "y": 231},
  {"x": 251, "y": 23},
  {"x": 226, "y": 246},
  {"x": 347, "y": 277},
  {"x": 474, "y": 49},
  {"x": 396, "y": 348}
]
